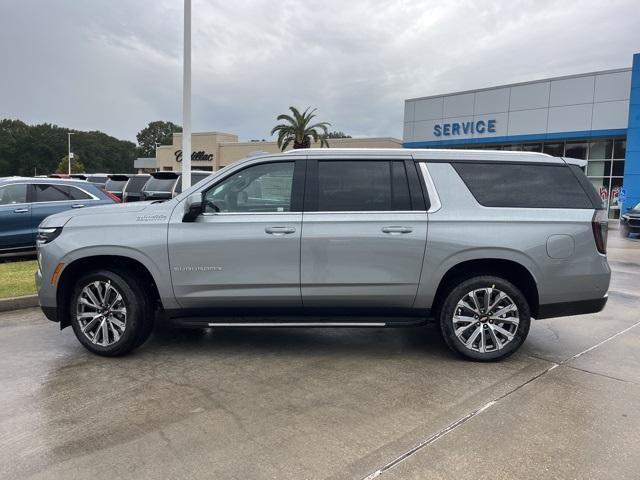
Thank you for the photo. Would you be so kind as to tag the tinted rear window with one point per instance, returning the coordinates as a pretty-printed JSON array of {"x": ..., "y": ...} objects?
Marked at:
[
  {"x": 523, "y": 185},
  {"x": 115, "y": 185},
  {"x": 160, "y": 184},
  {"x": 97, "y": 178},
  {"x": 362, "y": 186},
  {"x": 58, "y": 193},
  {"x": 136, "y": 183}
]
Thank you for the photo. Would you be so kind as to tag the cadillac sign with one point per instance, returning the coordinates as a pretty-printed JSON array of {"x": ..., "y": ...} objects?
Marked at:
[{"x": 201, "y": 156}]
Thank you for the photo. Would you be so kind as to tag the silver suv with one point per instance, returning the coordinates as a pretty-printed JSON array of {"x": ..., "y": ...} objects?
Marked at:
[{"x": 480, "y": 241}]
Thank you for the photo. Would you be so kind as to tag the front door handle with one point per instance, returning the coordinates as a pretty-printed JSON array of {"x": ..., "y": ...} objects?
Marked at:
[
  {"x": 21, "y": 210},
  {"x": 397, "y": 230},
  {"x": 279, "y": 230},
  {"x": 77, "y": 205}
]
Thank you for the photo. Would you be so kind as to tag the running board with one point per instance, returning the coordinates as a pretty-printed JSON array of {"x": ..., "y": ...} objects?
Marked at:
[
  {"x": 298, "y": 324},
  {"x": 237, "y": 322}
]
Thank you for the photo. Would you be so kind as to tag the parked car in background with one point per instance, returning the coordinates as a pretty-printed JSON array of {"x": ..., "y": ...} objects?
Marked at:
[
  {"x": 480, "y": 241},
  {"x": 79, "y": 176},
  {"x": 58, "y": 175},
  {"x": 132, "y": 191},
  {"x": 116, "y": 183},
  {"x": 25, "y": 202},
  {"x": 630, "y": 221},
  {"x": 166, "y": 185},
  {"x": 99, "y": 179}
]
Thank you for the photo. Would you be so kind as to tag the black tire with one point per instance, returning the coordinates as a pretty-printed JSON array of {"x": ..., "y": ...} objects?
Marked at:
[
  {"x": 484, "y": 323},
  {"x": 138, "y": 321}
]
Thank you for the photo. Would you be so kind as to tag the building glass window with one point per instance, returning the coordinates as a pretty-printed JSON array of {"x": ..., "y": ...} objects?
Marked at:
[
  {"x": 601, "y": 149},
  {"x": 599, "y": 168},
  {"x": 619, "y": 149},
  {"x": 555, "y": 149},
  {"x": 532, "y": 147},
  {"x": 576, "y": 150},
  {"x": 618, "y": 168}
]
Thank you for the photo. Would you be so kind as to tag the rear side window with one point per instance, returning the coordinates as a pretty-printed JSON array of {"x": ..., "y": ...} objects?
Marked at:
[
  {"x": 523, "y": 185},
  {"x": 45, "y": 192},
  {"x": 360, "y": 186},
  {"x": 77, "y": 194}
]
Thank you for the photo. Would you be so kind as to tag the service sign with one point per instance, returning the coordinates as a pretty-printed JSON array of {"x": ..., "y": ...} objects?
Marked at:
[{"x": 454, "y": 129}]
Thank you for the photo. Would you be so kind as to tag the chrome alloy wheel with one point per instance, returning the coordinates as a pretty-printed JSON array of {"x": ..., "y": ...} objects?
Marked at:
[
  {"x": 485, "y": 320},
  {"x": 101, "y": 313}
]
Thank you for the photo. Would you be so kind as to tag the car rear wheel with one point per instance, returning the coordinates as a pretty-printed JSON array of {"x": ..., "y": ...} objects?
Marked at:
[
  {"x": 110, "y": 313},
  {"x": 485, "y": 318}
]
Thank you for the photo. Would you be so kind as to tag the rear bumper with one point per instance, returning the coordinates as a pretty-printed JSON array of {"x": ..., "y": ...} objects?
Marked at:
[{"x": 567, "y": 309}]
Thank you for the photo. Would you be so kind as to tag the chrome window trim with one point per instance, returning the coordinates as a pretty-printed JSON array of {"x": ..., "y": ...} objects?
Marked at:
[
  {"x": 365, "y": 212},
  {"x": 362, "y": 212},
  {"x": 434, "y": 198},
  {"x": 212, "y": 214}
]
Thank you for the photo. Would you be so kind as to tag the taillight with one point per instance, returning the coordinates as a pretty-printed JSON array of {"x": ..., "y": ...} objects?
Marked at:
[
  {"x": 600, "y": 225},
  {"x": 111, "y": 196}
]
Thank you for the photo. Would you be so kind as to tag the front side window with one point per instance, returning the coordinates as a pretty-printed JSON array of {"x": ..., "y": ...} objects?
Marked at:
[
  {"x": 260, "y": 188},
  {"x": 362, "y": 186},
  {"x": 12, "y": 194}
]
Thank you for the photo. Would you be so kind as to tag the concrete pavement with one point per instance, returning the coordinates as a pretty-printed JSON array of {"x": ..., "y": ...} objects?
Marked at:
[{"x": 335, "y": 403}]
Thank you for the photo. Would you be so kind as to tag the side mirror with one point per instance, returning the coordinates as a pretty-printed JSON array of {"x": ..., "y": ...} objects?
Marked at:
[{"x": 192, "y": 207}]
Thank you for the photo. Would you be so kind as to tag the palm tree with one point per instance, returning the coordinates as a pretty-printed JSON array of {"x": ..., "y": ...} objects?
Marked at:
[{"x": 297, "y": 129}]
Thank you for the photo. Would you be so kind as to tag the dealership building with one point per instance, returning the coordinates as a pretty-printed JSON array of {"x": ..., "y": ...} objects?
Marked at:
[
  {"x": 214, "y": 150},
  {"x": 591, "y": 116}
]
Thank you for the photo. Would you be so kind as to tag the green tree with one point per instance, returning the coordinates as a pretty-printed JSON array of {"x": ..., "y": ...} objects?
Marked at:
[
  {"x": 297, "y": 128},
  {"x": 30, "y": 149},
  {"x": 337, "y": 134},
  {"x": 76, "y": 165},
  {"x": 156, "y": 132}
]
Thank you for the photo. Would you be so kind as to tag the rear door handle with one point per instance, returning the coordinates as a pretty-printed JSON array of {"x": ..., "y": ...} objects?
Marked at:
[
  {"x": 21, "y": 210},
  {"x": 279, "y": 230},
  {"x": 397, "y": 230},
  {"x": 77, "y": 205}
]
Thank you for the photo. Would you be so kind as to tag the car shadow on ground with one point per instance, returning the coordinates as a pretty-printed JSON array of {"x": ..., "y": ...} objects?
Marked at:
[{"x": 367, "y": 342}]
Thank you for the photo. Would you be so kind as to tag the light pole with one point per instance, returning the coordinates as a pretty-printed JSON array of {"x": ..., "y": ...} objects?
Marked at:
[
  {"x": 69, "y": 154},
  {"x": 186, "y": 99}
]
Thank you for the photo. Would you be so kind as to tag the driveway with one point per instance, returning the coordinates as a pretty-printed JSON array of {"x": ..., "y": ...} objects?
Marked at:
[{"x": 335, "y": 403}]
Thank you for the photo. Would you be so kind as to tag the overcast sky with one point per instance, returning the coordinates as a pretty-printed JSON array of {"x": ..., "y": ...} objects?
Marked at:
[{"x": 115, "y": 65}]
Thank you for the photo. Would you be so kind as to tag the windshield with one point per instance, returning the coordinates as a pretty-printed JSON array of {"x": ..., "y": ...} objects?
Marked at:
[{"x": 637, "y": 207}]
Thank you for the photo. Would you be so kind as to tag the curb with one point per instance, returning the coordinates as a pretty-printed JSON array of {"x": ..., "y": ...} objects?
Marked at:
[{"x": 14, "y": 303}]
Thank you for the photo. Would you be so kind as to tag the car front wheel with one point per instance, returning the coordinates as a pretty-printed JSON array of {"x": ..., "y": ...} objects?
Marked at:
[
  {"x": 485, "y": 318},
  {"x": 110, "y": 312}
]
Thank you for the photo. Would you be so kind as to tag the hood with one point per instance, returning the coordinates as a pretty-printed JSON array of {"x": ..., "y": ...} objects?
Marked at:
[{"x": 60, "y": 219}]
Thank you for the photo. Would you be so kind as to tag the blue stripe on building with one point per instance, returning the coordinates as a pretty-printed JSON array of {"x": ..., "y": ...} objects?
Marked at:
[
  {"x": 631, "y": 180},
  {"x": 519, "y": 138}
]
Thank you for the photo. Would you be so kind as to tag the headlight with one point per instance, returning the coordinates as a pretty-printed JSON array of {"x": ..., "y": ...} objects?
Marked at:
[
  {"x": 625, "y": 217},
  {"x": 47, "y": 235}
]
